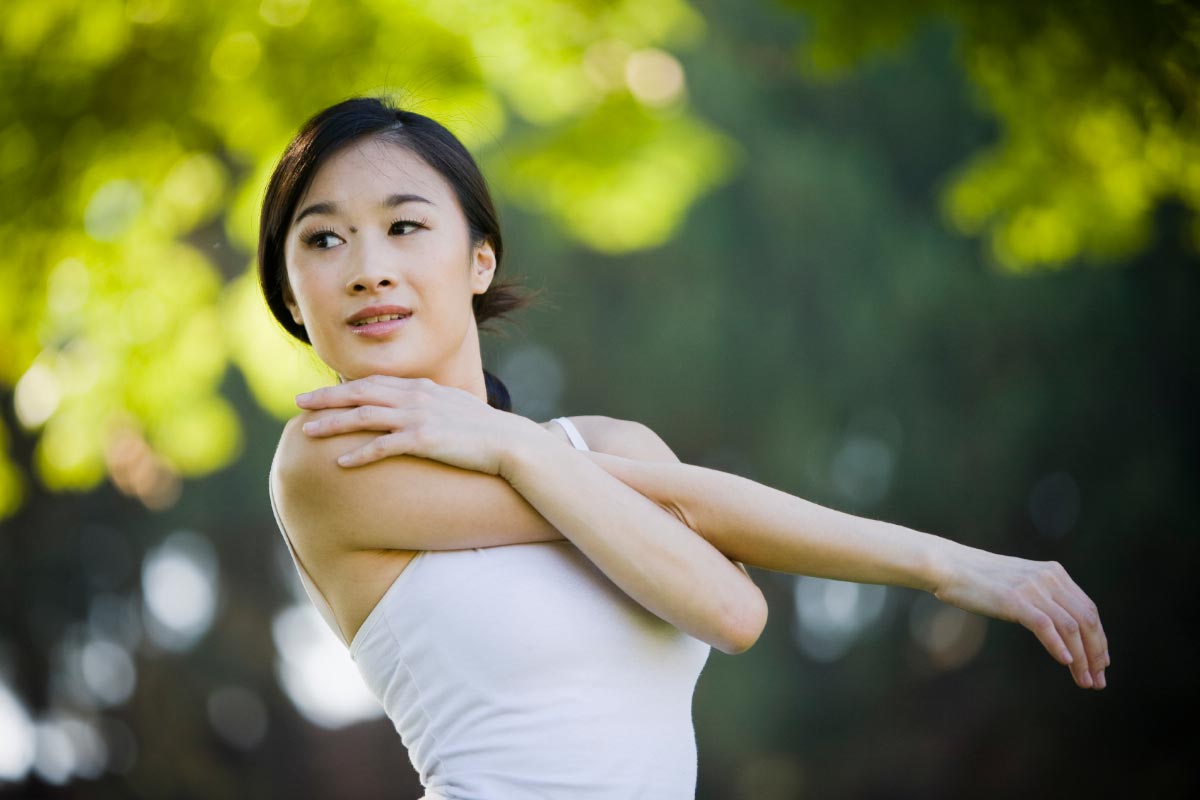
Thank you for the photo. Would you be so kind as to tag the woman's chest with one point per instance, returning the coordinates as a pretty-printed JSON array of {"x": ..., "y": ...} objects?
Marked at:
[
  {"x": 354, "y": 582},
  {"x": 528, "y": 615}
]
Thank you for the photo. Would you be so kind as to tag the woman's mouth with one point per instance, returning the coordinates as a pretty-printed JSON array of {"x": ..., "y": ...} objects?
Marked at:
[{"x": 381, "y": 326}]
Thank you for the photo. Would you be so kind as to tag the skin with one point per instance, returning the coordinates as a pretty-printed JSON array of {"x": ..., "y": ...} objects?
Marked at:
[{"x": 423, "y": 391}]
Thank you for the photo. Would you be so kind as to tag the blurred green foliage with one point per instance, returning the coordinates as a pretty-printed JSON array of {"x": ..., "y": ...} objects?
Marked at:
[
  {"x": 136, "y": 139},
  {"x": 1098, "y": 103}
]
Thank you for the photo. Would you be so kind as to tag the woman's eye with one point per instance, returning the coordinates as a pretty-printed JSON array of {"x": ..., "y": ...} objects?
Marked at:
[
  {"x": 313, "y": 239},
  {"x": 406, "y": 223}
]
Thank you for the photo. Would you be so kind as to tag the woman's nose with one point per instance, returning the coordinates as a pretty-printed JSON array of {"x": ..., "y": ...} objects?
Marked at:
[
  {"x": 367, "y": 281},
  {"x": 372, "y": 268}
]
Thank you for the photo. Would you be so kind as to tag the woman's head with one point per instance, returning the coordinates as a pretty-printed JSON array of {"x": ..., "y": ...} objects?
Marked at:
[{"x": 370, "y": 206}]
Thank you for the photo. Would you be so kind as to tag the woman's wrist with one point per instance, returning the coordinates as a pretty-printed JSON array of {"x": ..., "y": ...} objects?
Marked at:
[
  {"x": 521, "y": 447},
  {"x": 942, "y": 563}
]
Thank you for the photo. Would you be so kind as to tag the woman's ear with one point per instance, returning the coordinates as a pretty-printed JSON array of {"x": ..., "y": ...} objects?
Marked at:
[
  {"x": 483, "y": 267},
  {"x": 289, "y": 300}
]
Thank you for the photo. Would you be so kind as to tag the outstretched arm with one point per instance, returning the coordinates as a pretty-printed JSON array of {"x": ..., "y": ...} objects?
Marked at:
[{"x": 768, "y": 528}]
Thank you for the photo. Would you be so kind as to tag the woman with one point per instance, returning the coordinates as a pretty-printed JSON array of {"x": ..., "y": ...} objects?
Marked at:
[{"x": 531, "y": 603}]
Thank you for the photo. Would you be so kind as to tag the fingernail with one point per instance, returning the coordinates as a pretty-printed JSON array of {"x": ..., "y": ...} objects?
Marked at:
[
  {"x": 1068, "y": 657},
  {"x": 300, "y": 398},
  {"x": 309, "y": 427},
  {"x": 1100, "y": 681},
  {"x": 1087, "y": 680},
  {"x": 344, "y": 459}
]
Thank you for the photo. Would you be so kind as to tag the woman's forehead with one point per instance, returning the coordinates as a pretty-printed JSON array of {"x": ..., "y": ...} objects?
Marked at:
[{"x": 371, "y": 170}]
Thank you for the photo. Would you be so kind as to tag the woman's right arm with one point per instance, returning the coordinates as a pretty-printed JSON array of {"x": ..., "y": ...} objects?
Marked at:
[
  {"x": 398, "y": 502},
  {"x": 416, "y": 503}
]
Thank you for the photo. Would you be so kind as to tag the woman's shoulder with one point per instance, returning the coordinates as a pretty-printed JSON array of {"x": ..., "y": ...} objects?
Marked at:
[
  {"x": 307, "y": 465},
  {"x": 401, "y": 502},
  {"x": 619, "y": 437},
  {"x": 295, "y": 446}
]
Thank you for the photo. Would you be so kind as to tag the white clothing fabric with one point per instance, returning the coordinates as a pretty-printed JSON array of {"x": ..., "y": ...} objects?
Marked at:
[
  {"x": 522, "y": 672},
  {"x": 572, "y": 432}
]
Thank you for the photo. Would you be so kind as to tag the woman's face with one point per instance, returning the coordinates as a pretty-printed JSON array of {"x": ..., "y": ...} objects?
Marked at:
[{"x": 380, "y": 227}]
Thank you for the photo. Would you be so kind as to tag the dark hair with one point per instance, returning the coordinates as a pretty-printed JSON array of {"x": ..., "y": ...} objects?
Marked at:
[{"x": 349, "y": 121}]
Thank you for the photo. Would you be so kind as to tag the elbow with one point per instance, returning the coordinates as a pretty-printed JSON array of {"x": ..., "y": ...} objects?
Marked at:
[{"x": 745, "y": 625}]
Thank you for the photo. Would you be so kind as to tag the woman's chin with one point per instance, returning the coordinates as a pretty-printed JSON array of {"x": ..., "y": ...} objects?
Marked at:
[{"x": 367, "y": 370}]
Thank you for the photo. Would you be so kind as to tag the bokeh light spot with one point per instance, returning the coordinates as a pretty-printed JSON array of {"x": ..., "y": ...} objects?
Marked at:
[
  {"x": 236, "y": 56},
  {"x": 949, "y": 636},
  {"x": 108, "y": 671},
  {"x": 830, "y": 615},
  {"x": 16, "y": 737},
  {"x": 36, "y": 395},
  {"x": 316, "y": 671},
  {"x": 655, "y": 77},
  {"x": 861, "y": 469},
  {"x": 112, "y": 209},
  {"x": 283, "y": 13},
  {"x": 179, "y": 589}
]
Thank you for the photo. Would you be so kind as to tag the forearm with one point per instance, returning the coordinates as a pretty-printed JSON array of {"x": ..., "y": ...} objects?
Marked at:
[
  {"x": 644, "y": 549},
  {"x": 768, "y": 528}
]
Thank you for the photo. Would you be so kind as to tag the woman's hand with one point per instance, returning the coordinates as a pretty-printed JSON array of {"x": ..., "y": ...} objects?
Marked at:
[
  {"x": 1039, "y": 595},
  {"x": 419, "y": 417}
]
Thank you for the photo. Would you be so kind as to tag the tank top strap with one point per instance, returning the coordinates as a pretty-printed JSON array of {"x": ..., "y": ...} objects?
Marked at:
[{"x": 572, "y": 433}]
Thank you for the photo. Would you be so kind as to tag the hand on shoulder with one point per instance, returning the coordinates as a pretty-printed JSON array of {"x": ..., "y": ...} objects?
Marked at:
[{"x": 401, "y": 502}]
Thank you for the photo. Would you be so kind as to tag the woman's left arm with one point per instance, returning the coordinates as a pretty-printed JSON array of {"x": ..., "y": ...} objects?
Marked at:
[{"x": 768, "y": 528}]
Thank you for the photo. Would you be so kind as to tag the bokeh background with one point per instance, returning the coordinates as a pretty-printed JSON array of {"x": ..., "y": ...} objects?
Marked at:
[{"x": 930, "y": 262}]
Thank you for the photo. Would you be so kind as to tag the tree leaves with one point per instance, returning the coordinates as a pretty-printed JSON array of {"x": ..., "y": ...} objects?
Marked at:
[{"x": 128, "y": 129}]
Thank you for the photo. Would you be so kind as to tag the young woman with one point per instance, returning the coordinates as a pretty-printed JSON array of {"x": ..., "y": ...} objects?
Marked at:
[{"x": 532, "y": 603}]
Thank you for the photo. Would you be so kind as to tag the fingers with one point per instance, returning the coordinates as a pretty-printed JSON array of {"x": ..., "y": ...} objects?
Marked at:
[
  {"x": 1069, "y": 632},
  {"x": 361, "y": 418},
  {"x": 393, "y": 444},
  {"x": 1046, "y": 631},
  {"x": 1062, "y": 616},
  {"x": 1091, "y": 633},
  {"x": 1094, "y": 636},
  {"x": 399, "y": 425}
]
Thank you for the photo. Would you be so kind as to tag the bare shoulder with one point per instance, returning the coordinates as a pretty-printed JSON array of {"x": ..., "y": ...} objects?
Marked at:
[
  {"x": 297, "y": 450},
  {"x": 622, "y": 437},
  {"x": 304, "y": 466},
  {"x": 400, "y": 502},
  {"x": 313, "y": 492},
  {"x": 290, "y": 452}
]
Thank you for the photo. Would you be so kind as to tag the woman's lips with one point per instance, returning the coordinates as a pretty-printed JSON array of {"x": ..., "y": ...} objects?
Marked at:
[{"x": 380, "y": 330}]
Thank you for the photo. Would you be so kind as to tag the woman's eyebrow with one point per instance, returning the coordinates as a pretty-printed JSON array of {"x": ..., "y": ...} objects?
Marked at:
[{"x": 391, "y": 201}]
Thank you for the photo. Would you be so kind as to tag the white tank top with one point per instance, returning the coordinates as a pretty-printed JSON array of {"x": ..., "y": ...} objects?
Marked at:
[{"x": 522, "y": 672}]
